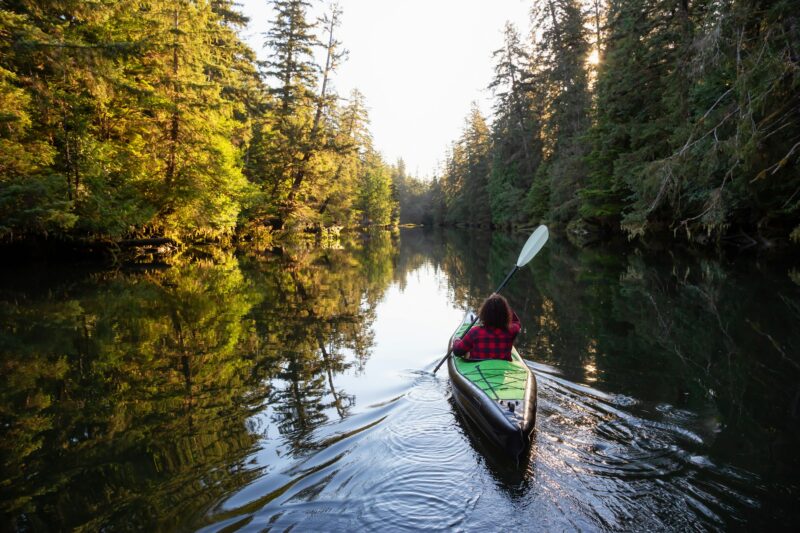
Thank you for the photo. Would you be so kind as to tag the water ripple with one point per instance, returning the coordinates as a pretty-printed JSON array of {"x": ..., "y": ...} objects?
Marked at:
[
  {"x": 410, "y": 498},
  {"x": 599, "y": 461},
  {"x": 610, "y": 467},
  {"x": 424, "y": 440}
]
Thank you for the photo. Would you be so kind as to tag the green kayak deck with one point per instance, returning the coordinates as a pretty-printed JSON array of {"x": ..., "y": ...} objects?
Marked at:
[{"x": 500, "y": 380}]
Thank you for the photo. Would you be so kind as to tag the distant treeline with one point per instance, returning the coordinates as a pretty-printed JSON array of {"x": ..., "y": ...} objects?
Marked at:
[
  {"x": 637, "y": 117},
  {"x": 130, "y": 119}
]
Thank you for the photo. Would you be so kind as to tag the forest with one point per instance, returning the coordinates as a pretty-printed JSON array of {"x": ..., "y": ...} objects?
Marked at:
[
  {"x": 152, "y": 119},
  {"x": 642, "y": 118}
]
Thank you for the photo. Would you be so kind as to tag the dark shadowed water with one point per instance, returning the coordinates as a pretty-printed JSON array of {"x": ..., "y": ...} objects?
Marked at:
[{"x": 292, "y": 390}]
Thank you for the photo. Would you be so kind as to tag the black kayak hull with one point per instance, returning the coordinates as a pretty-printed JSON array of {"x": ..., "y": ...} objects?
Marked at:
[{"x": 513, "y": 437}]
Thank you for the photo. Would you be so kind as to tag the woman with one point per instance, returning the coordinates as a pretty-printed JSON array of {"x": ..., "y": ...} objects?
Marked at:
[{"x": 495, "y": 336}]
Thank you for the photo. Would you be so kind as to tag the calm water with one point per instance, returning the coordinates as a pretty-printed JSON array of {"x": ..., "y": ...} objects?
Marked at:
[{"x": 293, "y": 390}]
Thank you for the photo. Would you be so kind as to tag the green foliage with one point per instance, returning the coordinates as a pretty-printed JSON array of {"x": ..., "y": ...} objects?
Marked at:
[
  {"x": 291, "y": 42},
  {"x": 538, "y": 198},
  {"x": 506, "y": 200},
  {"x": 151, "y": 118},
  {"x": 533, "y": 163},
  {"x": 560, "y": 55},
  {"x": 413, "y": 197},
  {"x": 374, "y": 201},
  {"x": 126, "y": 119},
  {"x": 465, "y": 181},
  {"x": 688, "y": 122},
  {"x": 133, "y": 116},
  {"x": 32, "y": 197}
]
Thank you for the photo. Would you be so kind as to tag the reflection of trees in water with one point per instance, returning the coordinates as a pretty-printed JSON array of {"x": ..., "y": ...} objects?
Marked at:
[
  {"x": 320, "y": 319},
  {"x": 140, "y": 379},
  {"x": 128, "y": 398},
  {"x": 298, "y": 407},
  {"x": 418, "y": 247}
]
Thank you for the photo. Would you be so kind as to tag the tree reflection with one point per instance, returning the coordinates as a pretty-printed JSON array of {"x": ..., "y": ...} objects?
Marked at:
[
  {"x": 128, "y": 398},
  {"x": 137, "y": 378},
  {"x": 317, "y": 313}
]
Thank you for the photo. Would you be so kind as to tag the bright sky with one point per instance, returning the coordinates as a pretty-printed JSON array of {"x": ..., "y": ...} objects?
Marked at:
[{"x": 420, "y": 63}]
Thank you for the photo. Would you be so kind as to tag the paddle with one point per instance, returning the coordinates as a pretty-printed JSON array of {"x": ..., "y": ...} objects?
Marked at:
[{"x": 529, "y": 251}]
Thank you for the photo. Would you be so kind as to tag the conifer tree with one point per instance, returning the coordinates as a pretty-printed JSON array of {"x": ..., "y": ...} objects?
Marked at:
[
  {"x": 137, "y": 104},
  {"x": 730, "y": 162},
  {"x": 374, "y": 200},
  {"x": 352, "y": 140},
  {"x": 299, "y": 135},
  {"x": 512, "y": 87},
  {"x": 561, "y": 53},
  {"x": 324, "y": 101},
  {"x": 516, "y": 130},
  {"x": 32, "y": 199},
  {"x": 476, "y": 144},
  {"x": 291, "y": 43},
  {"x": 194, "y": 119},
  {"x": 281, "y": 135}
]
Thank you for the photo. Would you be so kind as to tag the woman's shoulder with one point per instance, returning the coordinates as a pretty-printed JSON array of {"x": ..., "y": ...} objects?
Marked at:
[{"x": 480, "y": 330}]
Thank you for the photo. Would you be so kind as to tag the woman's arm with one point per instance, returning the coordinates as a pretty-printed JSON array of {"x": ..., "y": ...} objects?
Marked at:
[{"x": 462, "y": 346}]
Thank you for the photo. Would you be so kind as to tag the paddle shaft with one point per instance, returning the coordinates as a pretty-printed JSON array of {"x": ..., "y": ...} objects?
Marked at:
[{"x": 505, "y": 281}]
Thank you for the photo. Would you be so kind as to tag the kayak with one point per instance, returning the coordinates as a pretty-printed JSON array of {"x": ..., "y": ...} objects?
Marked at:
[{"x": 498, "y": 396}]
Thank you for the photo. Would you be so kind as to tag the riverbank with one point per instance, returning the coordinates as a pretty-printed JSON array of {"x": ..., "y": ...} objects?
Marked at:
[{"x": 160, "y": 249}]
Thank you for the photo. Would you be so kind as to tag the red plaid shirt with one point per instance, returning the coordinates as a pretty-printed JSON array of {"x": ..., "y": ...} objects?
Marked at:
[{"x": 488, "y": 343}]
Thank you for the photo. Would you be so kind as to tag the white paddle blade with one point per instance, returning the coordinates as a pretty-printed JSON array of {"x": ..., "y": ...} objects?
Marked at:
[{"x": 534, "y": 244}]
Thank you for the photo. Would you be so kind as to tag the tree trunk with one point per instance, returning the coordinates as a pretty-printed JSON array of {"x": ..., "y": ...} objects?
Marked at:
[{"x": 175, "y": 121}]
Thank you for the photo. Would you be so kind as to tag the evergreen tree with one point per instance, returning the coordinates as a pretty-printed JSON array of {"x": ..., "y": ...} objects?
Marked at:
[
  {"x": 32, "y": 199},
  {"x": 291, "y": 43},
  {"x": 413, "y": 197},
  {"x": 475, "y": 141},
  {"x": 374, "y": 201},
  {"x": 334, "y": 54},
  {"x": 400, "y": 187},
  {"x": 641, "y": 101},
  {"x": 516, "y": 148},
  {"x": 297, "y": 155},
  {"x": 139, "y": 127},
  {"x": 561, "y": 52},
  {"x": 457, "y": 211},
  {"x": 465, "y": 177},
  {"x": 731, "y": 163},
  {"x": 203, "y": 182},
  {"x": 352, "y": 140},
  {"x": 281, "y": 135}
]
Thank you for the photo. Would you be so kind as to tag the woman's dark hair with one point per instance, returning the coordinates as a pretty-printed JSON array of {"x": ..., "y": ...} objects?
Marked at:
[{"x": 495, "y": 312}]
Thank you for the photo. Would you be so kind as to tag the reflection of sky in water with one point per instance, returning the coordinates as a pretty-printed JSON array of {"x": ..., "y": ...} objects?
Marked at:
[
  {"x": 411, "y": 330},
  {"x": 412, "y": 324}
]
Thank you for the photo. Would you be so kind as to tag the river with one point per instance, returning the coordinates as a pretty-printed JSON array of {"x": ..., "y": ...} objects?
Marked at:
[{"x": 292, "y": 390}]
